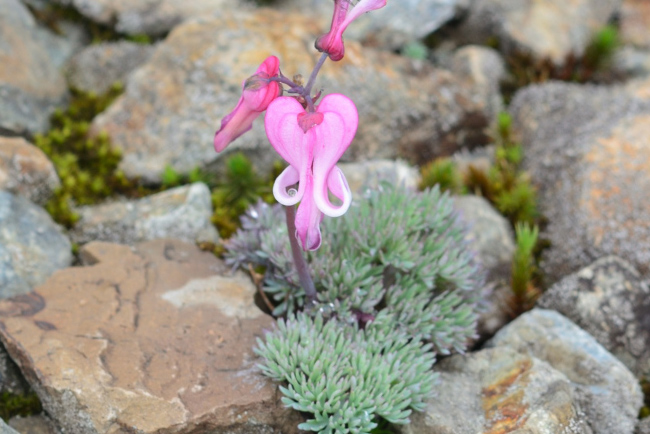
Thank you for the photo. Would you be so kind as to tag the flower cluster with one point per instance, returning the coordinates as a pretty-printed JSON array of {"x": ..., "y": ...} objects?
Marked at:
[{"x": 309, "y": 136}]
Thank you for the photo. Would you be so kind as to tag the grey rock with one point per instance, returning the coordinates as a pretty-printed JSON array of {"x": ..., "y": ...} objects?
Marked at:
[
  {"x": 634, "y": 23},
  {"x": 151, "y": 17},
  {"x": 26, "y": 170},
  {"x": 32, "y": 246},
  {"x": 31, "y": 86},
  {"x": 633, "y": 62},
  {"x": 6, "y": 429},
  {"x": 369, "y": 174},
  {"x": 482, "y": 69},
  {"x": 61, "y": 46},
  {"x": 587, "y": 151},
  {"x": 98, "y": 67},
  {"x": 36, "y": 424},
  {"x": 491, "y": 236},
  {"x": 611, "y": 301},
  {"x": 553, "y": 28},
  {"x": 173, "y": 104},
  {"x": 643, "y": 427},
  {"x": 182, "y": 213},
  {"x": 499, "y": 390},
  {"x": 609, "y": 394}
]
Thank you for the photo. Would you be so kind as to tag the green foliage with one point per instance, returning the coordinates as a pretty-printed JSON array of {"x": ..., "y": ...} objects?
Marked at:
[
  {"x": 523, "y": 263},
  {"x": 441, "y": 172},
  {"x": 87, "y": 166},
  {"x": 416, "y": 50},
  {"x": 386, "y": 305},
  {"x": 593, "y": 66},
  {"x": 171, "y": 178},
  {"x": 347, "y": 376},
  {"x": 601, "y": 50},
  {"x": 239, "y": 189},
  {"x": 52, "y": 15},
  {"x": 509, "y": 189},
  {"x": 645, "y": 387},
  {"x": 18, "y": 405}
]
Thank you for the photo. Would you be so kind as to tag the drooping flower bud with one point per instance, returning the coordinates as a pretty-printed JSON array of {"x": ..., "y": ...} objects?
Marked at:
[
  {"x": 332, "y": 42},
  {"x": 257, "y": 93}
]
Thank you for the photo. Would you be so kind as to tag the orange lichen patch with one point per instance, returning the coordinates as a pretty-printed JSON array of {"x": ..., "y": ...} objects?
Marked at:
[
  {"x": 503, "y": 404},
  {"x": 618, "y": 181}
]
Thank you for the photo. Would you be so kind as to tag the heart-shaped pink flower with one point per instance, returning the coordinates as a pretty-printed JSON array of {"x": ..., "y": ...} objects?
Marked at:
[{"x": 312, "y": 144}]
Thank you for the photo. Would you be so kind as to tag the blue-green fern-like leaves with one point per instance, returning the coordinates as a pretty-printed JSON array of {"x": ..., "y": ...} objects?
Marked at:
[{"x": 397, "y": 285}]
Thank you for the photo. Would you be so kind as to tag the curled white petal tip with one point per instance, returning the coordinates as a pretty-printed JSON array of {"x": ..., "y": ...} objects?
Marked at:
[
  {"x": 338, "y": 185},
  {"x": 287, "y": 178}
]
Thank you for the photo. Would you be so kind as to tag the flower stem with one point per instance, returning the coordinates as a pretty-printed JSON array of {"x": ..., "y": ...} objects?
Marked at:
[
  {"x": 301, "y": 265},
  {"x": 314, "y": 73}
]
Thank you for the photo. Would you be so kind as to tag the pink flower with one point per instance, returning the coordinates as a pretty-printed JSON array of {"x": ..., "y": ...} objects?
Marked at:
[
  {"x": 258, "y": 92},
  {"x": 332, "y": 42},
  {"x": 312, "y": 143}
]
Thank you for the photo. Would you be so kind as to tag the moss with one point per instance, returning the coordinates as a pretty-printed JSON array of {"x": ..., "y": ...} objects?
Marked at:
[
  {"x": 645, "y": 387},
  {"x": 442, "y": 172},
  {"x": 52, "y": 15},
  {"x": 19, "y": 405},
  {"x": 594, "y": 66},
  {"x": 239, "y": 188},
  {"x": 87, "y": 166},
  {"x": 523, "y": 266}
]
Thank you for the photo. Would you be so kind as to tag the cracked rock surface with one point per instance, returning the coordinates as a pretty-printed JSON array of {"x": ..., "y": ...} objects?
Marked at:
[{"x": 152, "y": 339}]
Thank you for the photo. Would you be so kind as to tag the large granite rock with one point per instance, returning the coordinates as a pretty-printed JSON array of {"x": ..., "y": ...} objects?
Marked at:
[
  {"x": 151, "y": 17},
  {"x": 173, "y": 104},
  {"x": 25, "y": 170},
  {"x": 643, "y": 427},
  {"x": 608, "y": 393},
  {"x": 634, "y": 23},
  {"x": 491, "y": 236},
  {"x": 99, "y": 66},
  {"x": 550, "y": 29},
  {"x": 587, "y": 149},
  {"x": 31, "y": 85},
  {"x": 32, "y": 246},
  {"x": 611, "y": 301},
  {"x": 156, "y": 339},
  {"x": 498, "y": 390},
  {"x": 182, "y": 213}
]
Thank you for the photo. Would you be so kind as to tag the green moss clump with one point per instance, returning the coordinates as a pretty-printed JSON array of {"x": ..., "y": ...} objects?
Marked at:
[
  {"x": 240, "y": 188},
  {"x": 505, "y": 186},
  {"x": 442, "y": 172},
  {"x": 53, "y": 14},
  {"x": 19, "y": 405},
  {"x": 645, "y": 387},
  {"x": 523, "y": 267},
  {"x": 594, "y": 66},
  {"x": 87, "y": 166}
]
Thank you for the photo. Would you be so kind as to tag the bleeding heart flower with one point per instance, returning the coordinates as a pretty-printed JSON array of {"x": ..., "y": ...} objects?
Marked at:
[
  {"x": 312, "y": 144},
  {"x": 332, "y": 42},
  {"x": 258, "y": 92}
]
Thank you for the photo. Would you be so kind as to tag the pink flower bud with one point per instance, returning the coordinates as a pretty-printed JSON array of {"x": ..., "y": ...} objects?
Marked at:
[
  {"x": 332, "y": 42},
  {"x": 257, "y": 93}
]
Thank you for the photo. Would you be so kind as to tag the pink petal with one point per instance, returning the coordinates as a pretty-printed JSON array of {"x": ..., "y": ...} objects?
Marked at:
[
  {"x": 287, "y": 178},
  {"x": 332, "y": 42},
  {"x": 258, "y": 92},
  {"x": 333, "y": 137},
  {"x": 308, "y": 218},
  {"x": 288, "y": 138},
  {"x": 236, "y": 123},
  {"x": 361, "y": 8}
]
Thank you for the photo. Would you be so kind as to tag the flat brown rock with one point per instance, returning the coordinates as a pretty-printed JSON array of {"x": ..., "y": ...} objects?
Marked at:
[{"x": 156, "y": 339}]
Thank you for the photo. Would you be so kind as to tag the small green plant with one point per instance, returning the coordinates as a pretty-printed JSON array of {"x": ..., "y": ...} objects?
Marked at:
[
  {"x": 387, "y": 305},
  {"x": 19, "y": 405},
  {"x": 171, "y": 178},
  {"x": 442, "y": 172},
  {"x": 523, "y": 264},
  {"x": 415, "y": 50},
  {"x": 593, "y": 66},
  {"x": 87, "y": 166},
  {"x": 645, "y": 387},
  {"x": 509, "y": 189},
  {"x": 239, "y": 188}
]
